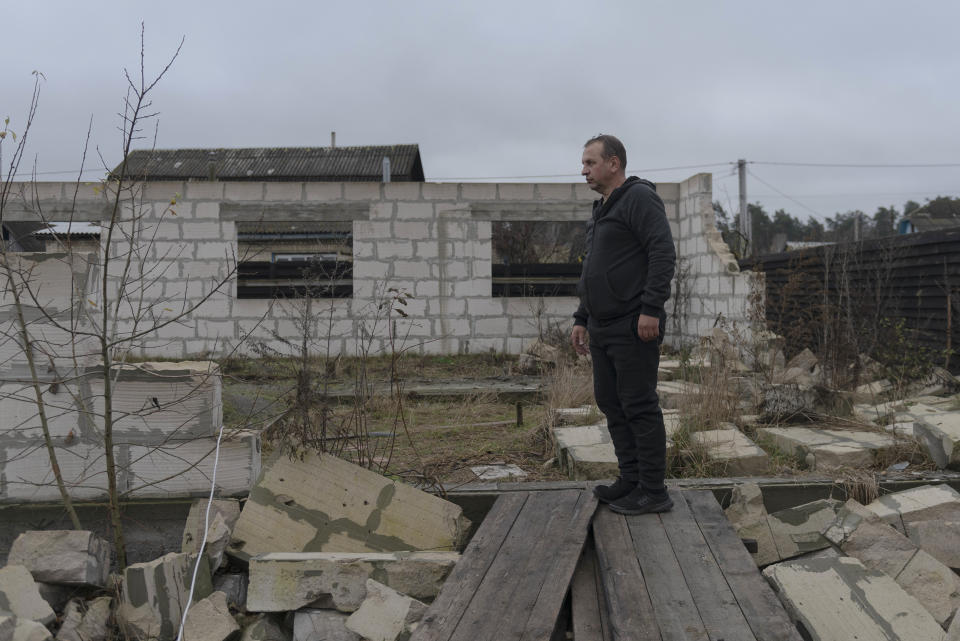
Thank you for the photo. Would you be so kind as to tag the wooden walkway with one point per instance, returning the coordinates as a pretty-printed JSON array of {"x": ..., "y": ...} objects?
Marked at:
[{"x": 683, "y": 575}]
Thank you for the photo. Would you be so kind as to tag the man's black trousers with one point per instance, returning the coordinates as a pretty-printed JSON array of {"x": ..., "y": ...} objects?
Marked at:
[{"x": 625, "y": 388}]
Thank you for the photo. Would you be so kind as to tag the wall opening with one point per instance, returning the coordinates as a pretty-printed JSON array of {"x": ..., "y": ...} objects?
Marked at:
[
  {"x": 537, "y": 258},
  {"x": 295, "y": 259}
]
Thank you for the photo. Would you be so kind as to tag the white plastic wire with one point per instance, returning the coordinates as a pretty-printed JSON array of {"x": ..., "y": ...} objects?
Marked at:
[{"x": 203, "y": 543}]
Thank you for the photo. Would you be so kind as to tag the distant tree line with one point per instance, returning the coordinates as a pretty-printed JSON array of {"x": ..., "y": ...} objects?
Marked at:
[{"x": 770, "y": 232}]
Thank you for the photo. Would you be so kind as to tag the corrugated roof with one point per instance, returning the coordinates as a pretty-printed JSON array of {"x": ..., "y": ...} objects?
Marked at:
[{"x": 331, "y": 164}]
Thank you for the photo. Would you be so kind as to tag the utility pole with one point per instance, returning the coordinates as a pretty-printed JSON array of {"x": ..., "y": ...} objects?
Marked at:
[{"x": 746, "y": 225}]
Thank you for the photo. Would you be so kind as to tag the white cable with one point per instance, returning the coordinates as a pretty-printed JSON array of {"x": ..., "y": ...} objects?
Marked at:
[{"x": 203, "y": 543}]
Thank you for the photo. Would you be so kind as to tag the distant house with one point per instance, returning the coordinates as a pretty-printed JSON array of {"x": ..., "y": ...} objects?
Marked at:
[
  {"x": 281, "y": 164},
  {"x": 923, "y": 221},
  {"x": 285, "y": 257}
]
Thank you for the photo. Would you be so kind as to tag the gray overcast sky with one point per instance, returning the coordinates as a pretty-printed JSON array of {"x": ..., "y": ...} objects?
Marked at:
[{"x": 509, "y": 89}]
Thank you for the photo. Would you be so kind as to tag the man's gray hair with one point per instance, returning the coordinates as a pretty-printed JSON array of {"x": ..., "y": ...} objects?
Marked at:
[{"x": 611, "y": 147}]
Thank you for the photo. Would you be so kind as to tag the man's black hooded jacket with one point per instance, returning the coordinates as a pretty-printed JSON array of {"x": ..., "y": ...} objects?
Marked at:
[{"x": 630, "y": 256}]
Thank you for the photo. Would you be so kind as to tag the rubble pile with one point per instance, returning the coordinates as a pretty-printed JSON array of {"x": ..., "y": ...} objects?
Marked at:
[
  {"x": 322, "y": 549},
  {"x": 787, "y": 416},
  {"x": 847, "y": 569}
]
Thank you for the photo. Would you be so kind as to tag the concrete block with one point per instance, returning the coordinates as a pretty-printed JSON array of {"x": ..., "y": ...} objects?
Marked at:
[
  {"x": 361, "y": 191},
  {"x": 323, "y": 191},
  {"x": 70, "y": 557},
  {"x": 402, "y": 191},
  {"x": 155, "y": 593},
  {"x": 185, "y": 468},
  {"x": 86, "y": 621},
  {"x": 939, "y": 434},
  {"x": 205, "y": 190},
  {"x": 439, "y": 191},
  {"x": 941, "y": 539},
  {"x": 491, "y": 326},
  {"x": 210, "y": 620},
  {"x": 395, "y": 249},
  {"x": 924, "y": 503},
  {"x": 797, "y": 530},
  {"x": 515, "y": 191},
  {"x": 839, "y": 598},
  {"x": 14, "y": 628},
  {"x": 731, "y": 448},
  {"x": 281, "y": 582},
  {"x": 829, "y": 449},
  {"x": 385, "y": 615},
  {"x": 478, "y": 191},
  {"x": 784, "y": 400},
  {"x": 748, "y": 516},
  {"x": 876, "y": 544},
  {"x": 933, "y": 584},
  {"x": 286, "y": 191},
  {"x": 218, "y": 535},
  {"x": 321, "y": 625},
  {"x": 359, "y": 511},
  {"x": 265, "y": 628},
  {"x": 239, "y": 191},
  {"x": 20, "y": 596}
]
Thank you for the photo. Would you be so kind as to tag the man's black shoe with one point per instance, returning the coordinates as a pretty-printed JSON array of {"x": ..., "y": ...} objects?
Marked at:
[
  {"x": 641, "y": 502},
  {"x": 618, "y": 490}
]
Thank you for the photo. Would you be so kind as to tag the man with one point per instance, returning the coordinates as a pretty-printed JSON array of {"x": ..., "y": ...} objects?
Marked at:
[{"x": 624, "y": 285}]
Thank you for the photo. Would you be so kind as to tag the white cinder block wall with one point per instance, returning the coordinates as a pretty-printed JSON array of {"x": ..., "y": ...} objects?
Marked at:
[{"x": 431, "y": 240}]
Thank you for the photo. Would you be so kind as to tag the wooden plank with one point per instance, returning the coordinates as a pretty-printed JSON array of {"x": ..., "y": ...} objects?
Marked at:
[
  {"x": 759, "y": 604},
  {"x": 719, "y": 609},
  {"x": 585, "y": 606},
  {"x": 445, "y": 612},
  {"x": 494, "y": 598},
  {"x": 602, "y": 602},
  {"x": 560, "y": 559},
  {"x": 673, "y": 604},
  {"x": 631, "y": 613}
]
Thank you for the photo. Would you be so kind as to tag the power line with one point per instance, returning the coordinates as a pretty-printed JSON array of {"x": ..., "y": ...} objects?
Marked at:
[
  {"x": 787, "y": 196},
  {"x": 857, "y": 165}
]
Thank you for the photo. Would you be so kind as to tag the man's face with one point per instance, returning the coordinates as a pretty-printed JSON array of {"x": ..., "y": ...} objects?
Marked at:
[{"x": 600, "y": 172}]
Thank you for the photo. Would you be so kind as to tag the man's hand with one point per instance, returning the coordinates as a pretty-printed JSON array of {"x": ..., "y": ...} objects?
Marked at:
[
  {"x": 579, "y": 339},
  {"x": 648, "y": 327}
]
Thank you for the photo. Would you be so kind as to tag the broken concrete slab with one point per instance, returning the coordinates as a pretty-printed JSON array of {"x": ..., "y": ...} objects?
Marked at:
[
  {"x": 730, "y": 448},
  {"x": 322, "y": 625},
  {"x": 941, "y": 539},
  {"x": 385, "y": 615},
  {"x": 829, "y": 449},
  {"x": 748, "y": 516},
  {"x": 798, "y": 530},
  {"x": 839, "y": 598},
  {"x": 20, "y": 597},
  {"x": 497, "y": 472},
  {"x": 69, "y": 557},
  {"x": 933, "y": 584},
  {"x": 265, "y": 628},
  {"x": 209, "y": 619},
  {"x": 924, "y": 503},
  {"x": 193, "y": 528},
  {"x": 281, "y": 581},
  {"x": 167, "y": 470},
  {"x": 805, "y": 360},
  {"x": 674, "y": 394},
  {"x": 178, "y": 400},
  {"x": 940, "y": 436},
  {"x": 14, "y": 628},
  {"x": 86, "y": 621},
  {"x": 325, "y": 504},
  {"x": 861, "y": 534},
  {"x": 873, "y": 392},
  {"x": 217, "y": 540},
  {"x": 155, "y": 593}
]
